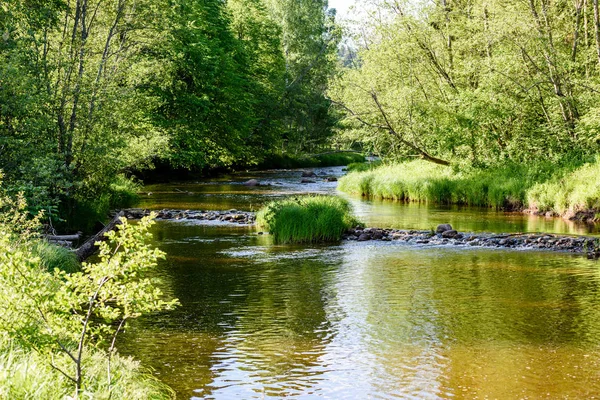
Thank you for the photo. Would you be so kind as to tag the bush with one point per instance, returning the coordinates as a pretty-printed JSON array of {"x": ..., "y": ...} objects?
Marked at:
[
  {"x": 306, "y": 219},
  {"x": 66, "y": 322}
]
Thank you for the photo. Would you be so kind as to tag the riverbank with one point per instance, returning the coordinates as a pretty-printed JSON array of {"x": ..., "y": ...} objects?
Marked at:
[
  {"x": 534, "y": 241},
  {"x": 570, "y": 191}
]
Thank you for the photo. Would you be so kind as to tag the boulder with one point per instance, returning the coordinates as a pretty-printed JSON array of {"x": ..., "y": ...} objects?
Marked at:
[
  {"x": 443, "y": 228},
  {"x": 449, "y": 234},
  {"x": 332, "y": 179},
  {"x": 307, "y": 181},
  {"x": 252, "y": 182},
  {"x": 308, "y": 174},
  {"x": 364, "y": 237},
  {"x": 377, "y": 236}
]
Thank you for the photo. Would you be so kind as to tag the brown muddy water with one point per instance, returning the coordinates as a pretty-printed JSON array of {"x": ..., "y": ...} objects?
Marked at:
[{"x": 365, "y": 320}]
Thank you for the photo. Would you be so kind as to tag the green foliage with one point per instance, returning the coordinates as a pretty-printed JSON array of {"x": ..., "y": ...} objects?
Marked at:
[
  {"x": 28, "y": 376},
  {"x": 317, "y": 160},
  {"x": 55, "y": 257},
  {"x": 477, "y": 83},
  {"x": 306, "y": 219},
  {"x": 56, "y": 312},
  {"x": 540, "y": 186}
]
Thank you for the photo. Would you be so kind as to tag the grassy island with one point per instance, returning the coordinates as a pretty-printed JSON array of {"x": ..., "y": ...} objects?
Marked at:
[{"x": 308, "y": 219}]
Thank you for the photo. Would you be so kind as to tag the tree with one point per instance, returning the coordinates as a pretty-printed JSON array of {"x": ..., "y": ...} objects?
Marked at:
[{"x": 473, "y": 82}]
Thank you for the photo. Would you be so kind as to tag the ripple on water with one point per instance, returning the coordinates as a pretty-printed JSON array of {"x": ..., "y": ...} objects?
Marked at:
[{"x": 373, "y": 320}]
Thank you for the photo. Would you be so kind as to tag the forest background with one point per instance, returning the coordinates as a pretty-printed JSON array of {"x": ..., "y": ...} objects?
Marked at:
[{"x": 94, "y": 91}]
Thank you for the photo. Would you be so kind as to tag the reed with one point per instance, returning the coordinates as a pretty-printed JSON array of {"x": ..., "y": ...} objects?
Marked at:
[
  {"x": 308, "y": 219},
  {"x": 544, "y": 186}
]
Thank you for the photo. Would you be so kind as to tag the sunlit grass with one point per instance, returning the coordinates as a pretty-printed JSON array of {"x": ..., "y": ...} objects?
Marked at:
[
  {"x": 578, "y": 190},
  {"x": 306, "y": 219},
  {"x": 542, "y": 186},
  {"x": 25, "y": 375},
  {"x": 53, "y": 256}
]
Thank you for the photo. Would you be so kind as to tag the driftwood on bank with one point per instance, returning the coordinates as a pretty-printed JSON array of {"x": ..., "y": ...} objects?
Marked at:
[
  {"x": 61, "y": 238},
  {"x": 89, "y": 247}
]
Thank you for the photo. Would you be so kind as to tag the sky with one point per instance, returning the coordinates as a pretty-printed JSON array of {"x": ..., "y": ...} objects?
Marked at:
[{"x": 341, "y": 5}]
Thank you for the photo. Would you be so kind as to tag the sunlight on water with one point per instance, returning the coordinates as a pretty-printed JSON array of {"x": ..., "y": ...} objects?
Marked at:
[
  {"x": 376, "y": 320},
  {"x": 365, "y": 320}
]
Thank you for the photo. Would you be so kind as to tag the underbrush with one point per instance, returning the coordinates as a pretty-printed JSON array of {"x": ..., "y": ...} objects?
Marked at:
[
  {"x": 334, "y": 159},
  {"x": 27, "y": 375},
  {"x": 307, "y": 219},
  {"x": 541, "y": 186}
]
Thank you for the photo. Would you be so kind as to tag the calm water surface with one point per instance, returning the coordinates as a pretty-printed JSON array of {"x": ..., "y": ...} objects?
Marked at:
[{"x": 367, "y": 320}]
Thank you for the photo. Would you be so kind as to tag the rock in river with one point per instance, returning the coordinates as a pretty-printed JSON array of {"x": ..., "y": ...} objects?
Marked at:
[
  {"x": 252, "y": 182},
  {"x": 443, "y": 228}
]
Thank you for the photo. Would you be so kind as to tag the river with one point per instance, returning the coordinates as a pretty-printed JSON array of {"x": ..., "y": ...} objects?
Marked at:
[{"x": 370, "y": 319}]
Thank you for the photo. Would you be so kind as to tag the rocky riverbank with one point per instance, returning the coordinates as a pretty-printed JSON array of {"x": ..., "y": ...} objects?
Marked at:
[
  {"x": 230, "y": 216},
  {"x": 444, "y": 234}
]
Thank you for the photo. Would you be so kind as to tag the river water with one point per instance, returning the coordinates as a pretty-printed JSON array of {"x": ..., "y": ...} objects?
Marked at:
[{"x": 370, "y": 319}]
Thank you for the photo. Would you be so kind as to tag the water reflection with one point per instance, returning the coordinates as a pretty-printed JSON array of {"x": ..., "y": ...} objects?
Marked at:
[{"x": 380, "y": 320}]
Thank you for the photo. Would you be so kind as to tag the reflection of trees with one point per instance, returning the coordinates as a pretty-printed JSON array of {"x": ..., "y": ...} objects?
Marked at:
[
  {"x": 437, "y": 321},
  {"x": 243, "y": 324},
  {"x": 280, "y": 329},
  {"x": 398, "y": 319}
]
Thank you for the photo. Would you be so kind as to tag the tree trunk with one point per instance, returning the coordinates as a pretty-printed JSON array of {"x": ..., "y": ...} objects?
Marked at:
[{"x": 597, "y": 28}]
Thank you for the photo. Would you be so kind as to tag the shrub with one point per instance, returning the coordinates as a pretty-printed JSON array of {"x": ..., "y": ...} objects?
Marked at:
[{"x": 307, "y": 219}]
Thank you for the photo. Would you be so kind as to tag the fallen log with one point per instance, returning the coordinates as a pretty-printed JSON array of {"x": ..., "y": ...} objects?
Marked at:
[
  {"x": 89, "y": 247},
  {"x": 62, "y": 238},
  {"x": 61, "y": 243}
]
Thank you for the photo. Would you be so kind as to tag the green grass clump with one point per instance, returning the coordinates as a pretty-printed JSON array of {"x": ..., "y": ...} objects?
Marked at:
[
  {"x": 576, "y": 190},
  {"x": 53, "y": 256},
  {"x": 543, "y": 186},
  {"x": 26, "y": 375},
  {"x": 307, "y": 219}
]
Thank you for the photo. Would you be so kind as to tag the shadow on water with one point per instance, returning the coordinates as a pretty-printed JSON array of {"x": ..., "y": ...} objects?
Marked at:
[{"x": 361, "y": 320}]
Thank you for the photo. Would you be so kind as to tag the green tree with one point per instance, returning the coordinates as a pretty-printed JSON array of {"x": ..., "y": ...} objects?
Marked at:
[{"x": 474, "y": 82}]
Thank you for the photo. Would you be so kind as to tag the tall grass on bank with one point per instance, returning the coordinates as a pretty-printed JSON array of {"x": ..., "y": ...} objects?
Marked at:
[
  {"x": 568, "y": 193},
  {"x": 53, "y": 256},
  {"x": 307, "y": 219},
  {"x": 543, "y": 186},
  {"x": 26, "y": 375}
]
